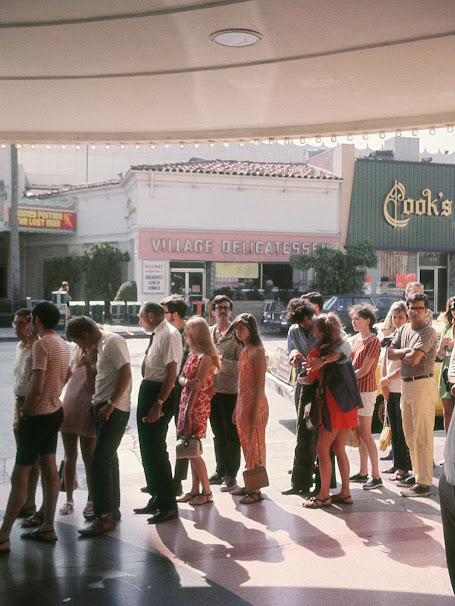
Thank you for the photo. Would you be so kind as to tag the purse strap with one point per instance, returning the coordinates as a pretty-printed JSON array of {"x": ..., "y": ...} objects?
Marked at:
[{"x": 249, "y": 445}]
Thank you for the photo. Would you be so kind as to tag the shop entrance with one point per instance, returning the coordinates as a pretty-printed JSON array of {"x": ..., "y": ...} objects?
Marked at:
[
  {"x": 434, "y": 280},
  {"x": 188, "y": 283}
]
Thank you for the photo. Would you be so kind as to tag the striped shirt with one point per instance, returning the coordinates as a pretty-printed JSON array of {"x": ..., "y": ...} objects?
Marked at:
[
  {"x": 51, "y": 354},
  {"x": 361, "y": 349}
]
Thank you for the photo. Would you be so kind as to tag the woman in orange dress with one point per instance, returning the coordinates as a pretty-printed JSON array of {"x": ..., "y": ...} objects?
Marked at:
[
  {"x": 327, "y": 329},
  {"x": 194, "y": 411},
  {"x": 252, "y": 410}
]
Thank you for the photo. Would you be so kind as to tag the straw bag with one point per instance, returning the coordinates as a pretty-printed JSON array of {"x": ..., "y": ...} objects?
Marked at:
[
  {"x": 255, "y": 478},
  {"x": 386, "y": 434},
  {"x": 353, "y": 438}
]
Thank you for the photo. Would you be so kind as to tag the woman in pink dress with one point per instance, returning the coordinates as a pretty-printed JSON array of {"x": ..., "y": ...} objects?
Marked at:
[
  {"x": 252, "y": 409},
  {"x": 194, "y": 411},
  {"x": 78, "y": 425}
]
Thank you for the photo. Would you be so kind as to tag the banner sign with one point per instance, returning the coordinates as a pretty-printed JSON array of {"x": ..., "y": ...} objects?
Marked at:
[{"x": 45, "y": 219}]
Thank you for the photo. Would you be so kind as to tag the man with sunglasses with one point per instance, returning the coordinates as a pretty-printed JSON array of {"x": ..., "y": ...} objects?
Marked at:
[
  {"x": 226, "y": 439},
  {"x": 416, "y": 344}
]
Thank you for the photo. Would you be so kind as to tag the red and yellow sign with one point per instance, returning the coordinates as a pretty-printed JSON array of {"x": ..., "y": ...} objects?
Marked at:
[{"x": 46, "y": 219}]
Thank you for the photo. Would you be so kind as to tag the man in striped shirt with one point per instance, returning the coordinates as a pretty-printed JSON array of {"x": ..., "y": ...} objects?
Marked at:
[{"x": 40, "y": 419}]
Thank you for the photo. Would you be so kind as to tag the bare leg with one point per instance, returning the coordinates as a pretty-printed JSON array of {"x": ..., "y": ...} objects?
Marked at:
[
  {"x": 447, "y": 406},
  {"x": 325, "y": 440},
  {"x": 19, "y": 481},
  {"x": 51, "y": 485},
  {"x": 338, "y": 447},
  {"x": 368, "y": 448},
  {"x": 69, "y": 468},
  {"x": 87, "y": 448},
  {"x": 200, "y": 475}
]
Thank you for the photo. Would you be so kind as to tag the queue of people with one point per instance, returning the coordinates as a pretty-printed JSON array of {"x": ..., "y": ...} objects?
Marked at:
[{"x": 221, "y": 378}]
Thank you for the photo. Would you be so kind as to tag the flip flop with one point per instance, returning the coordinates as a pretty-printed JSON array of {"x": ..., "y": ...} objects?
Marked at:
[
  {"x": 187, "y": 497},
  {"x": 399, "y": 477},
  {"x": 252, "y": 497},
  {"x": 35, "y": 520},
  {"x": 39, "y": 535},
  {"x": 347, "y": 500},
  {"x": 316, "y": 503},
  {"x": 206, "y": 499}
]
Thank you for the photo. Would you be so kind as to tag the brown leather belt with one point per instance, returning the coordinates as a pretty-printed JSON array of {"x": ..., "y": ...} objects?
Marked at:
[{"x": 407, "y": 379}]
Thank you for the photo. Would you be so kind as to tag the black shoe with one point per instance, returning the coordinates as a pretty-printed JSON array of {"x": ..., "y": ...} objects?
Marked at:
[
  {"x": 145, "y": 489},
  {"x": 216, "y": 478},
  {"x": 387, "y": 457},
  {"x": 163, "y": 516},
  {"x": 149, "y": 508},
  {"x": 357, "y": 477},
  {"x": 177, "y": 487},
  {"x": 116, "y": 515},
  {"x": 300, "y": 491}
]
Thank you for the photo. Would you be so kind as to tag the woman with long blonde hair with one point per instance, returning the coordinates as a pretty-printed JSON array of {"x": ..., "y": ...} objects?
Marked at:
[{"x": 194, "y": 411}]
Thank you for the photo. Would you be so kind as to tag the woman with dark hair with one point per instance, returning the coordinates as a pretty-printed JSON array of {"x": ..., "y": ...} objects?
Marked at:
[
  {"x": 444, "y": 352},
  {"x": 334, "y": 430},
  {"x": 252, "y": 410},
  {"x": 365, "y": 351}
]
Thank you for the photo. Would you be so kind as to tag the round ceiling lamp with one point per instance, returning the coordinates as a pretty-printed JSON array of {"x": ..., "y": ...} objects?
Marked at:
[{"x": 236, "y": 37}]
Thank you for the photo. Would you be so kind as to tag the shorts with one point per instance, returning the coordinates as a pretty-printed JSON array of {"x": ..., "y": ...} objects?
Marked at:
[
  {"x": 37, "y": 435},
  {"x": 369, "y": 402}
]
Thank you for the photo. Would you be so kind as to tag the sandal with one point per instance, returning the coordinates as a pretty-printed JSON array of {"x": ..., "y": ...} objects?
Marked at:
[
  {"x": 347, "y": 500},
  {"x": 67, "y": 508},
  {"x": 26, "y": 512},
  {"x": 35, "y": 520},
  {"x": 399, "y": 477},
  {"x": 40, "y": 536},
  {"x": 317, "y": 503},
  {"x": 186, "y": 498},
  {"x": 390, "y": 469},
  {"x": 88, "y": 513},
  {"x": 239, "y": 491},
  {"x": 252, "y": 497},
  {"x": 206, "y": 498}
]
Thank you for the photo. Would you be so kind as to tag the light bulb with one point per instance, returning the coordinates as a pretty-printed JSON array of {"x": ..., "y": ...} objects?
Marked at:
[
  {"x": 302, "y": 140},
  {"x": 450, "y": 128},
  {"x": 350, "y": 137},
  {"x": 318, "y": 139},
  {"x": 241, "y": 142},
  {"x": 181, "y": 144},
  {"x": 432, "y": 130},
  {"x": 398, "y": 132},
  {"x": 415, "y": 132},
  {"x": 382, "y": 134},
  {"x": 365, "y": 136}
]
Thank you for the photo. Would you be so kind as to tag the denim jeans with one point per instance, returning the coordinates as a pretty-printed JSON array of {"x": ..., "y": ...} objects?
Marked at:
[{"x": 104, "y": 465}]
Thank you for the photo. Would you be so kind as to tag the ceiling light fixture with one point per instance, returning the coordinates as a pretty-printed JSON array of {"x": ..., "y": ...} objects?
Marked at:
[{"x": 236, "y": 37}]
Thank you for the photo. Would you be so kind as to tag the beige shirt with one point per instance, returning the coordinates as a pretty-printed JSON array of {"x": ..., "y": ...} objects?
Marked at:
[
  {"x": 423, "y": 339},
  {"x": 23, "y": 353},
  {"x": 226, "y": 381},
  {"x": 112, "y": 355}
]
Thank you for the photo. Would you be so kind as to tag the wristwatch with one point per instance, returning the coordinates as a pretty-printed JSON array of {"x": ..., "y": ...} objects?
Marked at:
[
  {"x": 324, "y": 359},
  {"x": 160, "y": 402}
]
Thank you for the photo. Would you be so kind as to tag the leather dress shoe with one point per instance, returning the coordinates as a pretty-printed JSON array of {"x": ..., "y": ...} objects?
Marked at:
[
  {"x": 149, "y": 508},
  {"x": 163, "y": 516}
]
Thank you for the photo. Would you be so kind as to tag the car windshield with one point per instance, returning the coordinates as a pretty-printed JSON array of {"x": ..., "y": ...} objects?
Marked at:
[{"x": 329, "y": 304}]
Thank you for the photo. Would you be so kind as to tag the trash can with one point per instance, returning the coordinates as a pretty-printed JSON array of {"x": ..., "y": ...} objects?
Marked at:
[
  {"x": 77, "y": 308},
  {"x": 132, "y": 312},
  {"x": 97, "y": 311},
  {"x": 118, "y": 309}
]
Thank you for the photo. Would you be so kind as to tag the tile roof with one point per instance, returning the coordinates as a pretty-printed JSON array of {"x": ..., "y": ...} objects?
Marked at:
[
  {"x": 236, "y": 167},
  {"x": 39, "y": 192}
]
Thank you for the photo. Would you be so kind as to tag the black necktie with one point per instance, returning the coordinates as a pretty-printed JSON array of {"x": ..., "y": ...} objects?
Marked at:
[{"x": 145, "y": 356}]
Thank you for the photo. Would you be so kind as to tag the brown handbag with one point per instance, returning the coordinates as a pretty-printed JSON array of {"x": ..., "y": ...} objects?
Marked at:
[
  {"x": 188, "y": 448},
  {"x": 255, "y": 478},
  {"x": 314, "y": 418}
]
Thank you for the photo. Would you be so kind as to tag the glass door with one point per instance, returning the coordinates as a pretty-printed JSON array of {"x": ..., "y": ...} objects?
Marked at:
[
  {"x": 428, "y": 277},
  {"x": 188, "y": 283}
]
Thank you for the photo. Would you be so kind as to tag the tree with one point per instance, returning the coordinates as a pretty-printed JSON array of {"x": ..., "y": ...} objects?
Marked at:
[
  {"x": 59, "y": 269},
  {"x": 338, "y": 270},
  {"x": 102, "y": 266}
]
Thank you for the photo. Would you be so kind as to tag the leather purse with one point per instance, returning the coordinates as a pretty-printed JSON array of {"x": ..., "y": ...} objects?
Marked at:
[
  {"x": 257, "y": 477},
  {"x": 188, "y": 448}
]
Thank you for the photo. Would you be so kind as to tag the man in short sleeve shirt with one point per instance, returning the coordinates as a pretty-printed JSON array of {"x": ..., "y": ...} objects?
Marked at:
[
  {"x": 111, "y": 409},
  {"x": 155, "y": 409},
  {"x": 415, "y": 344}
]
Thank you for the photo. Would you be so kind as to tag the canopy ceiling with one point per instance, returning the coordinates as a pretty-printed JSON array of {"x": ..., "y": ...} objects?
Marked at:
[{"x": 110, "y": 70}]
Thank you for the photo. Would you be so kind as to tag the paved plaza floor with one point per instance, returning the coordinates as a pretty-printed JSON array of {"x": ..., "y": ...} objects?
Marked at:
[{"x": 381, "y": 550}]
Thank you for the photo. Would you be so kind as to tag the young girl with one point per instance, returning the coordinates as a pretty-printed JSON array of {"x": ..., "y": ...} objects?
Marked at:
[
  {"x": 194, "y": 411},
  {"x": 252, "y": 410},
  {"x": 365, "y": 351}
]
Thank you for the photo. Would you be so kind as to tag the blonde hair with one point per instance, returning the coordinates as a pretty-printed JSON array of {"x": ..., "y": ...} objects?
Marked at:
[
  {"x": 201, "y": 340},
  {"x": 397, "y": 306}
]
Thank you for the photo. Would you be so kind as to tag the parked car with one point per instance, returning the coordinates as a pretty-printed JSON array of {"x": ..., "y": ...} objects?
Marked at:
[
  {"x": 340, "y": 304},
  {"x": 280, "y": 377}
]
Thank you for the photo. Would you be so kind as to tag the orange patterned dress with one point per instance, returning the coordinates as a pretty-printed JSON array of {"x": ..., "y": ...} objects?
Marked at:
[
  {"x": 244, "y": 410},
  {"x": 201, "y": 408}
]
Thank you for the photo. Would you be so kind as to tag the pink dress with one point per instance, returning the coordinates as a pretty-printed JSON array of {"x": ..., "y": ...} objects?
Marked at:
[
  {"x": 77, "y": 406},
  {"x": 201, "y": 408},
  {"x": 243, "y": 411}
]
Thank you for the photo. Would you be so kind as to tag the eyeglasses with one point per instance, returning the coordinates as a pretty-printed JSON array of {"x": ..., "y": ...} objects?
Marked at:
[
  {"x": 416, "y": 308},
  {"x": 168, "y": 312},
  {"x": 220, "y": 307},
  {"x": 19, "y": 324}
]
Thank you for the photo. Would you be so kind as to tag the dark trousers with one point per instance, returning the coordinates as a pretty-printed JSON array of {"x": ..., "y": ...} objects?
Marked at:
[
  {"x": 152, "y": 442},
  {"x": 225, "y": 436},
  {"x": 104, "y": 464},
  {"x": 400, "y": 450},
  {"x": 181, "y": 465},
  {"x": 447, "y": 500}
]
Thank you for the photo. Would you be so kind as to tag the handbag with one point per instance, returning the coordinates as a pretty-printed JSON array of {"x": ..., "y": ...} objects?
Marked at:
[
  {"x": 353, "y": 438},
  {"x": 188, "y": 448},
  {"x": 386, "y": 434},
  {"x": 257, "y": 477},
  {"x": 313, "y": 412}
]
